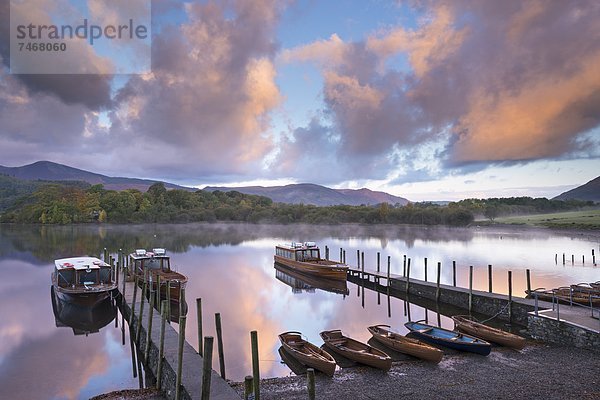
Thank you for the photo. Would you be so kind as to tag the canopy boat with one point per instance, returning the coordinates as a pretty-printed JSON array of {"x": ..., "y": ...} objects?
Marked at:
[
  {"x": 307, "y": 353},
  {"x": 155, "y": 265},
  {"x": 355, "y": 350},
  {"x": 306, "y": 258},
  {"x": 82, "y": 280},
  {"x": 447, "y": 338},
  {"x": 300, "y": 282},
  {"x": 466, "y": 324},
  {"x": 395, "y": 341}
]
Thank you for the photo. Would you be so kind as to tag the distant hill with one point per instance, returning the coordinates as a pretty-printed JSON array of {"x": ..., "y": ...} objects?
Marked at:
[
  {"x": 50, "y": 171},
  {"x": 588, "y": 192},
  {"x": 308, "y": 193}
]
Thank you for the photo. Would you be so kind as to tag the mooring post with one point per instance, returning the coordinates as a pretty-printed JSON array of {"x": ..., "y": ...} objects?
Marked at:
[
  {"x": 161, "y": 348},
  {"x": 207, "y": 367},
  {"x": 509, "y": 296},
  {"x": 425, "y": 269},
  {"x": 404, "y": 267},
  {"x": 407, "y": 275},
  {"x": 563, "y": 258},
  {"x": 248, "y": 387},
  {"x": 255, "y": 364},
  {"x": 358, "y": 259},
  {"x": 528, "y": 273},
  {"x": 310, "y": 375},
  {"x": 220, "y": 344},
  {"x": 139, "y": 322},
  {"x": 326, "y": 253},
  {"x": 180, "y": 356},
  {"x": 149, "y": 328},
  {"x": 593, "y": 257},
  {"x": 105, "y": 256},
  {"x": 362, "y": 266},
  {"x": 181, "y": 300},
  {"x": 378, "y": 261},
  {"x": 199, "y": 318},
  {"x": 556, "y": 259},
  {"x": 157, "y": 293},
  {"x": 135, "y": 287},
  {"x": 572, "y": 259},
  {"x": 454, "y": 273},
  {"x": 470, "y": 288},
  {"x": 117, "y": 272},
  {"x": 133, "y": 363},
  {"x": 169, "y": 301},
  {"x": 341, "y": 255},
  {"x": 490, "y": 278},
  {"x": 344, "y": 256},
  {"x": 437, "y": 290},
  {"x": 583, "y": 258}
]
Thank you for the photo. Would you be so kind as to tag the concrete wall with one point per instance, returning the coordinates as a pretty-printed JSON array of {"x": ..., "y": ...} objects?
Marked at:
[{"x": 562, "y": 333}]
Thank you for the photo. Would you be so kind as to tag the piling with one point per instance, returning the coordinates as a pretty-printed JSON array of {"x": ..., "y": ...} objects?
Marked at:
[
  {"x": 425, "y": 269},
  {"x": 362, "y": 266},
  {"x": 199, "y": 317},
  {"x": 358, "y": 258},
  {"x": 407, "y": 275},
  {"x": 149, "y": 329},
  {"x": 572, "y": 259},
  {"x": 161, "y": 348},
  {"x": 220, "y": 344},
  {"x": 181, "y": 300},
  {"x": 169, "y": 301},
  {"x": 255, "y": 364},
  {"x": 509, "y": 296},
  {"x": 378, "y": 261},
  {"x": 437, "y": 289},
  {"x": 248, "y": 387},
  {"x": 528, "y": 280},
  {"x": 556, "y": 259},
  {"x": 341, "y": 255},
  {"x": 180, "y": 356},
  {"x": 454, "y": 273},
  {"x": 310, "y": 375},
  {"x": 404, "y": 267},
  {"x": 326, "y": 253},
  {"x": 470, "y": 288},
  {"x": 207, "y": 367},
  {"x": 344, "y": 256},
  {"x": 563, "y": 258},
  {"x": 133, "y": 363},
  {"x": 139, "y": 324},
  {"x": 490, "y": 278},
  {"x": 157, "y": 293},
  {"x": 117, "y": 274}
]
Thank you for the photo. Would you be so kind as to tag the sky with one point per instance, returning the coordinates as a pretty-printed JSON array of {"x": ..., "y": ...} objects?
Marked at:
[{"x": 428, "y": 100}]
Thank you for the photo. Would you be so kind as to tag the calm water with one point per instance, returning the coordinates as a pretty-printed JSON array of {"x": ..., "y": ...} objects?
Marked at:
[{"x": 231, "y": 268}]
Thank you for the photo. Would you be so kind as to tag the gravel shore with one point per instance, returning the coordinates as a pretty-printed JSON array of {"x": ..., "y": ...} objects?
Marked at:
[{"x": 539, "y": 371}]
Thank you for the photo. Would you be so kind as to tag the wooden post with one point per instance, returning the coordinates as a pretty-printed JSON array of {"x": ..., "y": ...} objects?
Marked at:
[
  {"x": 135, "y": 287},
  {"x": 158, "y": 302},
  {"x": 425, "y": 269},
  {"x": 470, "y": 288},
  {"x": 362, "y": 266},
  {"x": 117, "y": 270},
  {"x": 220, "y": 344},
  {"x": 310, "y": 375},
  {"x": 255, "y": 364},
  {"x": 404, "y": 267},
  {"x": 437, "y": 290},
  {"x": 180, "y": 356},
  {"x": 454, "y": 273},
  {"x": 133, "y": 362},
  {"x": 358, "y": 259},
  {"x": 161, "y": 348},
  {"x": 563, "y": 258},
  {"x": 149, "y": 329},
  {"x": 572, "y": 259},
  {"x": 181, "y": 300},
  {"x": 583, "y": 258},
  {"x": 169, "y": 301},
  {"x": 556, "y": 259},
  {"x": 207, "y": 367},
  {"x": 490, "y": 278},
  {"x": 378, "y": 261},
  {"x": 407, "y": 275},
  {"x": 509, "y": 296},
  {"x": 341, "y": 258},
  {"x": 326, "y": 253},
  {"x": 139, "y": 324},
  {"x": 344, "y": 256},
  {"x": 248, "y": 383},
  {"x": 199, "y": 317}
]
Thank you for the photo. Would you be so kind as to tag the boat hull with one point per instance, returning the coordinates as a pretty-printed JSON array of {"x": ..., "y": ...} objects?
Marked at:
[
  {"x": 356, "y": 351},
  {"x": 464, "y": 324},
  {"x": 307, "y": 353},
  {"x": 321, "y": 268},
  {"x": 405, "y": 345},
  {"x": 447, "y": 338}
]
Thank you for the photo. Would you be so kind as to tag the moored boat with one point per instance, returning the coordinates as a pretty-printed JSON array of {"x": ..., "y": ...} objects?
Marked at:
[
  {"x": 155, "y": 266},
  {"x": 307, "y": 353},
  {"x": 306, "y": 258},
  {"x": 82, "y": 280},
  {"x": 577, "y": 293},
  {"x": 466, "y": 324},
  {"x": 447, "y": 338},
  {"x": 395, "y": 341},
  {"x": 354, "y": 350}
]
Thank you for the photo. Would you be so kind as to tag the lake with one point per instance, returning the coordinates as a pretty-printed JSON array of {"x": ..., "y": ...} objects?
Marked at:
[{"x": 230, "y": 266}]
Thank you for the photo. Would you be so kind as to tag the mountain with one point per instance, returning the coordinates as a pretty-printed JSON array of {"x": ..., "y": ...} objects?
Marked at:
[
  {"x": 588, "y": 192},
  {"x": 50, "y": 171},
  {"x": 308, "y": 193}
]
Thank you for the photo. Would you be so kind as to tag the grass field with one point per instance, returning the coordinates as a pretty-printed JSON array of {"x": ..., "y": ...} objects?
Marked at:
[{"x": 589, "y": 219}]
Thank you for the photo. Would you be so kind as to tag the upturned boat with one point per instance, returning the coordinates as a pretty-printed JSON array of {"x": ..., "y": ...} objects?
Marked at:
[
  {"x": 307, "y": 353},
  {"x": 395, "y": 341},
  {"x": 466, "y": 324},
  {"x": 354, "y": 350},
  {"x": 306, "y": 258},
  {"x": 447, "y": 338},
  {"x": 154, "y": 266},
  {"x": 82, "y": 280}
]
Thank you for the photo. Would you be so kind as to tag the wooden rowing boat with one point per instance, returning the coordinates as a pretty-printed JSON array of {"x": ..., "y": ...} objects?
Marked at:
[
  {"x": 447, "y": 338},
  {"x": 564, "y": 294},
  {"x": 466, "y": 324},
  {"x": 355, "y": 350},
  {"x": 307, "y": 353},
  {"x": 402, "y": 344}
]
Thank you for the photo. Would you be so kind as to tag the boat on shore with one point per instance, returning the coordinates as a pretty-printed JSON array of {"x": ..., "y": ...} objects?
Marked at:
[
  {"x": 397, "y": 342},
  {"x": 444, "y": 337},
  {"x": 306, "y": 258},
  {"x": 354, "y": 350},
  {"x": 307, "y": 353},
  {"x": 82, "y": 280},
  {"x": 466, "y": 324},
  {"x": 153, "y": 266}
]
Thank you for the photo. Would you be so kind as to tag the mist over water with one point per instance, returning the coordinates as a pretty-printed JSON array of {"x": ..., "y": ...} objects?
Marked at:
[{"x": 230, "y": 266}]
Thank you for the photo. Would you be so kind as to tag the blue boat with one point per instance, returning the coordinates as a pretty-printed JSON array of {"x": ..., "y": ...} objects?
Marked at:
[{"x": 444, "y": 337}]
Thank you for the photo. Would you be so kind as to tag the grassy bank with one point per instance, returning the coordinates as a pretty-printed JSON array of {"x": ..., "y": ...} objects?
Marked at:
[{"x": 589, "y": 219}]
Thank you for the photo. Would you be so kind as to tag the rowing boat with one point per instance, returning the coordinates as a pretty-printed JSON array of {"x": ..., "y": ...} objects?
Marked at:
[
  {"x": 402, "y": 344},
  {"x": 466, "y": 324},
  {"x": 447, "y": 338},
  {"x": 355, "y": 350},
  {"x": 307, "y": 353}
]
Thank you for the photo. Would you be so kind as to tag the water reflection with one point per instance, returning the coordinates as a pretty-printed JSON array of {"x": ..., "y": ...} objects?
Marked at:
[
  {"x": 307, "y": 283},
  {"x": 83, "y": 319},
  {"x": 230, "y": 266}
]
